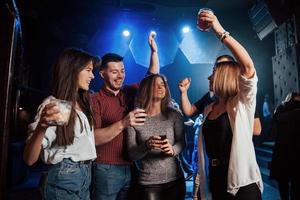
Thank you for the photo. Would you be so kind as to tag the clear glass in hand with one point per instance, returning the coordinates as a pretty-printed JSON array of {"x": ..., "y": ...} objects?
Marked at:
[
  {"x": 64, "y": 112},
  {"x": 201, "y": 24}
]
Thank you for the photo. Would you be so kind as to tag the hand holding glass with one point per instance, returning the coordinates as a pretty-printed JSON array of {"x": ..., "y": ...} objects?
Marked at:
[
  {"x": 64, "y": 112},
  {"x": 201, "y": 24},
  {"x": 140, "y": 115}
]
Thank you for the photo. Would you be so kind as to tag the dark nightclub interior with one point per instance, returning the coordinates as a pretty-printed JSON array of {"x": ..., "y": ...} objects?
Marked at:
[{"x": 34, "y": 32}]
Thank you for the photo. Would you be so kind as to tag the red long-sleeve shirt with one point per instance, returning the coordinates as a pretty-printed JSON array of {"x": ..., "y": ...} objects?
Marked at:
[{"x": 109, "y": 108}]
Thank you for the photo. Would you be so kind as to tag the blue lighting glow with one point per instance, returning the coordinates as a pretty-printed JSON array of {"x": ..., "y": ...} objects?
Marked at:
[
  {"x": 201, "y": 47},
  {"x": 167, "y": 47},
  {"x": 186, "y": 29},
  {"x": 126, "y": 33}
]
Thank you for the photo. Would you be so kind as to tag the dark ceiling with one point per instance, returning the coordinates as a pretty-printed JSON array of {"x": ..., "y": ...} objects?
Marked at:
[
  {"x": 81, "y": 19},
  {"x": 48, "y": 26},
  {"x": 66, "y": 19}
]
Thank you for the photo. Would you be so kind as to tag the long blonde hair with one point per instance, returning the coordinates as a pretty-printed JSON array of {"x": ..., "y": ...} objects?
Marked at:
[{"x": 226, "y": 79}]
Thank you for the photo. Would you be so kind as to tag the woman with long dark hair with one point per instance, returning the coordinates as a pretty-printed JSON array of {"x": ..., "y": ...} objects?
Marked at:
[
  {"x": 156, "y": 144},
  {"x": 68, "y": 148}
]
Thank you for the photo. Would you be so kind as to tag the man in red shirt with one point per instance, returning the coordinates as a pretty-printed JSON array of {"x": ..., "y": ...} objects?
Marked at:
[{"x": 113, "y": 109}]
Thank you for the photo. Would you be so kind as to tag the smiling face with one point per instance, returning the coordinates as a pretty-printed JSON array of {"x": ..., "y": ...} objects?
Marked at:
[
  {"x": 159, "y": 89},
  {"x": 85, "y": 76},
  {"x": 113, "y": 75}
]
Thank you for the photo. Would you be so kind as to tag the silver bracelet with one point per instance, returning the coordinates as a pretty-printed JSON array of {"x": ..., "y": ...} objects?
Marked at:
[{"x": 224, "y": 35}]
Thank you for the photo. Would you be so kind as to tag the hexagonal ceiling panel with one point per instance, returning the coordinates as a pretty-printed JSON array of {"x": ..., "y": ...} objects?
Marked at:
[
  {"x": 200, "y": 47},
  {"x": 167, "y": 48}
]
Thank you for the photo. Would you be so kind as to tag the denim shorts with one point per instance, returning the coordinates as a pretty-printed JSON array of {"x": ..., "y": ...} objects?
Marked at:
[{"x": 68, "y": 180}]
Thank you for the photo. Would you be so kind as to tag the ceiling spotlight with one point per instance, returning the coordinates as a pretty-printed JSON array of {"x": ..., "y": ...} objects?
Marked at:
[
  {"x": 126, "y": 33},
  {"x": 186, "y": 29}
]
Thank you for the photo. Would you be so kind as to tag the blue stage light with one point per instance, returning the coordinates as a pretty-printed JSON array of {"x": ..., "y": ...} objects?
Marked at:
[
  {"x": 126, "y": 33},
  {"x": 186, "y": 29}
]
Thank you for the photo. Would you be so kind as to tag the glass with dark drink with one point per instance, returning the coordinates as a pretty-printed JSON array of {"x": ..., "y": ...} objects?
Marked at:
[{"x": 203, "y": 25}]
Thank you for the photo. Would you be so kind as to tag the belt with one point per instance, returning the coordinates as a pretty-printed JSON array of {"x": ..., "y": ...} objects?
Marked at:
[
  {"x": 214, "y": 162},
  {"x": 85, "y": 162}
]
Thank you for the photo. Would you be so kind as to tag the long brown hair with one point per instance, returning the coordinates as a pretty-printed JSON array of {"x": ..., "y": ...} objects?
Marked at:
[
  {"x": 226, "y": 79},
  {"x": 145, "y": 94},
  {"x": 65, "y": 86}
]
